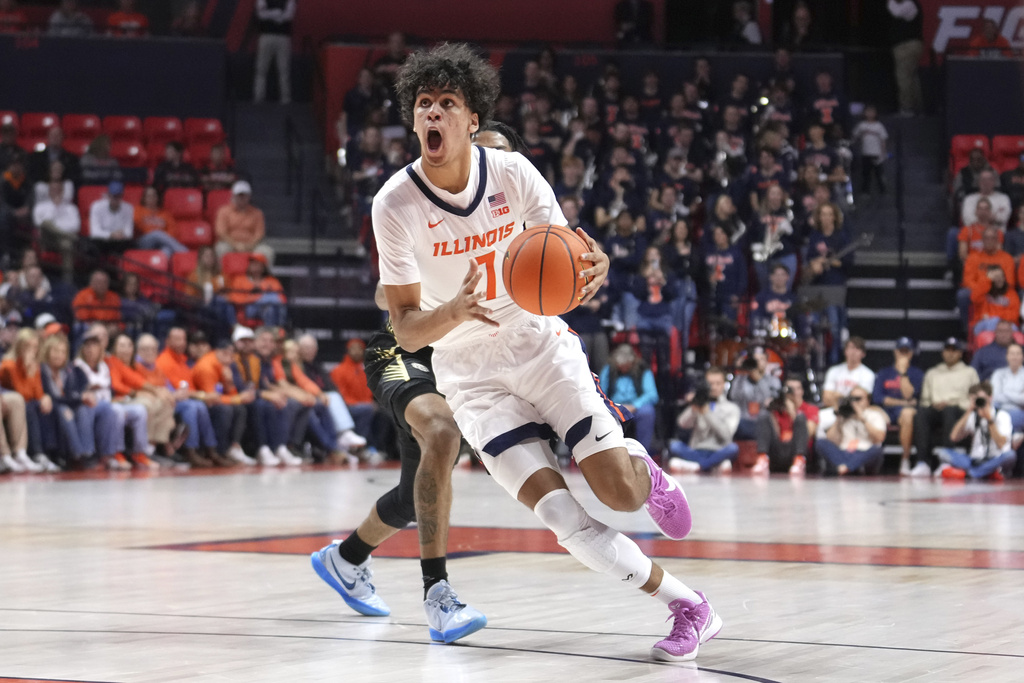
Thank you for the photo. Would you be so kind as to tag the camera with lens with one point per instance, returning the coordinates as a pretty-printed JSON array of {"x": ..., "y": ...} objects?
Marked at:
[
  {"x": 980, "y": 403},
  {"x": 701, "y": 395},
  {"x": 845, "y": 408}
]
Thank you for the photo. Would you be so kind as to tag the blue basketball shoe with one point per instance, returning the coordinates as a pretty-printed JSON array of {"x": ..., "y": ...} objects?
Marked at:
[
  {"x": 448, "y": 618},
  {"x": 352, "y": 582}
]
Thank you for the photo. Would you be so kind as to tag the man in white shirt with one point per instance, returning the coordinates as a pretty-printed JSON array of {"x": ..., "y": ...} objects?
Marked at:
[
  {"x": 841, "y": 379},
  {"x": 431, "y": 222},
  {"x": 1000, "y": 203},
  {"x": 59, "y": 224},
  {"x": 1008, "y": 387},
  {"x": 850, "y": 437},
  {"x": 990, "y": 432},
  {"x": 111, "y": 219}
]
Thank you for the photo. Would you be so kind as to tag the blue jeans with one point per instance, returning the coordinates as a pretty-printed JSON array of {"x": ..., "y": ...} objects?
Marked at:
[
  {"x": 135, "y": 417},
  {"x": 959, "y": 459},
  {"x": 86, "y": 418},
  {"x": 229, "y": 422},
  {"x": 269, "y": 308},
  {"x": 707, "y": 459},
  {"x": 1016, "y": 416},
  {"x": 200, "y": 428},
  {"x": 643, "y": 419},
  {"x": 109, "y": 429},
  {"x": 339, "y": 412},
  {"x": 854, "y": 460},
  {"x": 62, "y": 423},
  {"x": 273, "y": 424},
  {"x": 34, "y": 424},
  {"x": 321, "y": 428},
  {"x": 159, "y": 239}
]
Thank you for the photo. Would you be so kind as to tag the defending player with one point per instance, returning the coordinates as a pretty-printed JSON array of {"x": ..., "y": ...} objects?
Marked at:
[{"x": 507, "y": 373}]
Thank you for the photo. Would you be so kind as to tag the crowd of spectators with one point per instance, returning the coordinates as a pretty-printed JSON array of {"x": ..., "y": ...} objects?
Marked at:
[
  {"x": 125, "y": 20},
  {"x": 116, "y": 402}
]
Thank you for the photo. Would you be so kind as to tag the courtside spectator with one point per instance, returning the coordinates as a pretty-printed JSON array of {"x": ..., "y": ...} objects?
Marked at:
[
  {"x": 851, "y": 436},
  {"x": 1008, "y": 386},
  {"x": 782, "y": 437},
  {"x": 270, "y": 417},
  {"x": 240, "y": 226},
  {"x": 258, "y": 294},
  {"x": 73, "y": 419},
  {"x": 155, "y": 227},
  {"x": 96, "y": 302},
  {"x": 350, "y": 377},
  {"x": 19, "y": 372},
  {"x": 628, "y": 382},
  {"x": 842, "y": 378},
  {"x": 98, "y": 167},
  {"x": 212, "y": 375},
  {"x": 174, "y": 171},
  {"x": 59, "y": 224},
  {"x": 976, "y": 269},
  {"x": 897, "y": 390},
  {"x": 753, "y": 390},
  {"x": 1001, "y": 209},
  {"x": 990, "y": 432},
  {"x": 67, "y": 21},
  {"x": 712, "y": 420},
  {"x": 321, "y": 432},
  {"x": 944, "y": 398},
  {"x": 130, "y": 386},
  {"x": 13, "y": 434},
  {"x": 127, "y": 21},
  {"x": 992, "y": 356},
  {"x": 348, "y": 440},
  {"x": 111, "y": 219},
  {"x": 274, "y": 19},
  {"x": 219, "y": 173}
]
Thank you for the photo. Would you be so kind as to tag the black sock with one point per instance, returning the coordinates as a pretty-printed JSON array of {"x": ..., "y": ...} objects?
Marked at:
[
  {"x": 355, "y": 550},
  {"x": 434, "y": 571}
]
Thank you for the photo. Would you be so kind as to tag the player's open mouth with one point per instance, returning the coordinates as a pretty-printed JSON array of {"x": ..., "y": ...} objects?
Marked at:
[{"x": 433, "y": 140}]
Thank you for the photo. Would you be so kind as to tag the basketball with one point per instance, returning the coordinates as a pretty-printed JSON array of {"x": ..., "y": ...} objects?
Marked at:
[{"x": 541, "y": 269}]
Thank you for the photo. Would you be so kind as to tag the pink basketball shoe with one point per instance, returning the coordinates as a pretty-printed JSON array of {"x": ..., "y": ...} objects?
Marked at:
[{"x": 667, "y": 504}]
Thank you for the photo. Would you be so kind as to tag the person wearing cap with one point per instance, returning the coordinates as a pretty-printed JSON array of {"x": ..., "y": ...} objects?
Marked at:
[
  {"x": 1008, "y": 387},
  {"x": 214, "y": 374},
  {"x": 259, "y": 294},
  {"x": 268, "y": 419},
  {"x": 19, "y": 372},
  {"x": 842, "y": 378},
  {"x": 944, "y": 398},
  {"x": 240, "y": 226},
  {"x": 111, "y": 219},
  {"x": 897, "y": 390},
  {"x": 174, "y": 171},
  {"x": 59, "y": 223},
  {"x": 96, "y": 302}
]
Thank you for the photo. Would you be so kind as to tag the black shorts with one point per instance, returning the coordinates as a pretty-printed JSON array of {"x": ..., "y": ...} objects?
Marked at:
[{"x": 396, "y": 376}]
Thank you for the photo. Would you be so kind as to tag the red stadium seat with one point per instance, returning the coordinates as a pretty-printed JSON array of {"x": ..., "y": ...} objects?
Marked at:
[
  {"x": 77, "y": 147},
  {"x": 209, "y": 131},
  {"x": 133, "y": 194},
  {"x": 153, "y": 268},
  {"x": 123, "y": 128},
  {"x": 80, "y": 126},
  {"x": 195, "y": 233},
  {"x": 1006, "y": 151},
  {"x": 155, "y": 153},
  {"x": 183, "y": 263},
  {"x": 234, "y": 263},
  {"x": 32, "y": 144},
  {"x": 184, "y": 203},
  {"x": 36, "y": 124},
  {"x": 960, "y": 149},
  {"x": 87, "y": 194},
  {"x": 10, "y": 117},
  {"x": 129, "y": 153},
  {"x": 214, "y": 200},
  {"x": 162, "y": 129}
]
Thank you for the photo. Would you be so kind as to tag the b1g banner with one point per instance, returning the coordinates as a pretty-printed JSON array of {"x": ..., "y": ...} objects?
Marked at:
[{"x": 949, "y": 24}]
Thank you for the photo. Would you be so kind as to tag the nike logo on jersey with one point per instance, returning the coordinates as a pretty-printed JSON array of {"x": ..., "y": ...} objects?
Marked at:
[
  {"x": 434, "y": 225},
  {"x": 558, "y": 334},
  {"x": 602, "y": 436}
]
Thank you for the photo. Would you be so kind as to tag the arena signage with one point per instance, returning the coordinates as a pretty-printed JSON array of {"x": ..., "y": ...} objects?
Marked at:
[{"x": 949, "y": 25}]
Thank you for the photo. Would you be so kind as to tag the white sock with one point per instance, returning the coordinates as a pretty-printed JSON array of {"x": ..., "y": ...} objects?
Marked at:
[
  {"x": 21, "y": 454},
  {"x": 672, "y": 589}
]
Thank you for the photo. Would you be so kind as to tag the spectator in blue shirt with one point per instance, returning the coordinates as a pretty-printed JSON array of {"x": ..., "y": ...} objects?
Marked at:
[
  {"x": 897, "y": 389},
  {"x": 629, "y": 383},
  {"x": 727, "y": 275},
  {"x": 991, "y": 357}
]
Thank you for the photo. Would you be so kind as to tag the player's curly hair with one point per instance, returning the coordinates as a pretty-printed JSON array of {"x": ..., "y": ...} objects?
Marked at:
[{"x": 452, "y": 65}]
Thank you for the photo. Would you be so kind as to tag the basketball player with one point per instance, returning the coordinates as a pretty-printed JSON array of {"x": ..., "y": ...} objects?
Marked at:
[
  {"x": 403, "y": 384},
  {"x": 507, "y": 374}
]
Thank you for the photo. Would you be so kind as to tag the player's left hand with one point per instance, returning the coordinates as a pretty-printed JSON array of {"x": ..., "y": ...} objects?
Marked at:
[{"x": 597, "y": 272}]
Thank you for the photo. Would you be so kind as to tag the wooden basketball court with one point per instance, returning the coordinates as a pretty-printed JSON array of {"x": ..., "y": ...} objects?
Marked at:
[{"x": 206, "y": 577}]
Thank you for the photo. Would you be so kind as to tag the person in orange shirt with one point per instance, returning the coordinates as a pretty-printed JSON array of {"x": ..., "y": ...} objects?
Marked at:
[
  {"x": 989, "y": 43},
  {"x": 240, "y": 226},
  {"x": 192, "y": 406},
  {"x": 213, "y": 375},
  {"x": 350, "y": 377},
  {"x": 126, "y": 22},
  {"x": 993, "y": 300},
  {"x": 976, "y": 271},
  {"x": 259, "y": 294},
  {"x": 320, "y": 429},
  {"x": 96, "y": 302},
  {"x": 970, "y": 237},
  {"x": 19, "y": 372},
  {"x": 130, "y": 385},
  {"x": 154, "y": 227}
]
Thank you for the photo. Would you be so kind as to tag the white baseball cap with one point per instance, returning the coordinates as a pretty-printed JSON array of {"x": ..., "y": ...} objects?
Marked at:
[
  {"x": 241, "y": 187},
  {"x": 242, "y": 332}
]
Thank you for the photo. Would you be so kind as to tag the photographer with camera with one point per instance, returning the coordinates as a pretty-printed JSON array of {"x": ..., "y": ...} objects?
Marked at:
[
  {"x": 842, "y": 378},
  {"x": 713, "y": 420},
  {"x": 781, "y": 436},
  {"x": 989, "y": 430},
  {"x": 944, "y": 399},
  {"x": 850, "y": 437},
  {"x": 753, "y": 389},
  {"x": 897, "y": 389}
]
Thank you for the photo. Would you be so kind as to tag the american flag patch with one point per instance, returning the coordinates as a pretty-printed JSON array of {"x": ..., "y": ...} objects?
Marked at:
[{"x": 496, "y": 200}]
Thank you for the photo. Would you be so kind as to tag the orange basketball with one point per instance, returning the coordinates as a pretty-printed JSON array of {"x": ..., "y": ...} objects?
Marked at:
[{"x": 541, "y": 269}]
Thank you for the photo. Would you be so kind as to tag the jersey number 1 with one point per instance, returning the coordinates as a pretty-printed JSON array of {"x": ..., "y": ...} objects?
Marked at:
[{"x": 487, "y": 261}]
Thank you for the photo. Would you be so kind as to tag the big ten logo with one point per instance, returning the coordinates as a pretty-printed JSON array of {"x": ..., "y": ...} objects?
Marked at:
[
  {"x": 957, "y": 23},
  {"x": 500, "y": 211}
]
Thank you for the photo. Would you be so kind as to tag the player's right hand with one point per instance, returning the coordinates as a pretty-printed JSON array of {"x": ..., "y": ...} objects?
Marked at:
[{"x": 466, "y": 304}]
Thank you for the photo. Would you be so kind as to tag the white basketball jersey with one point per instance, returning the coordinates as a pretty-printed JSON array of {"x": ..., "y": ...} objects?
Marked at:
[{"x": 427, "y": 235}]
